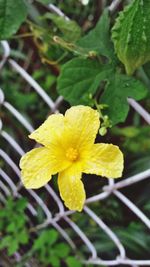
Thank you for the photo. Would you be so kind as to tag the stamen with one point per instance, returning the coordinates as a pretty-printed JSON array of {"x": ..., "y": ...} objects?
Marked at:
[{"x": 72, "y": 154}]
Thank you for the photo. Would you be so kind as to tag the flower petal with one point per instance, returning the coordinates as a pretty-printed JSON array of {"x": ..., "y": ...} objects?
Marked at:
[
  {"x": 37, "y": 167},
  {"x": 71, "y": 189},
  {"x": 50, "y": 131},
  {"x": 84, "y": 123},
  {"x": 105, "y": 160}
]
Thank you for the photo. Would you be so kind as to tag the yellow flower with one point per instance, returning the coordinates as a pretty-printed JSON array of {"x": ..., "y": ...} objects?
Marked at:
[{"x": 69, "y": 149}]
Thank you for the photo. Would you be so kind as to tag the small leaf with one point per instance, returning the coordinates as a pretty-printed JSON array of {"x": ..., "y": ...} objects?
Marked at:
[
  {"x": 131, "y": 35},
  {"x": 2, "y": 213},
  {"x": 5, "y": 242},
  {"x": 73, "y": 262},
  {"x": 136, "y": 139},
  {"x": 80, "y": 78},
  {"x": 21, "y": 204},
  {"x": 98, "y": 39},
  {"x": 12, "y": 14},
  {"x": 62, "y": 250},
  {"x": 118, "y": 89},
  {"x": 54, "y": 260},
  {"x": 23, "y": 237},
  {"x": 13, "y": 247},
  {"x": 47, "y": 237},
  {"x": 11, "y": 227}
]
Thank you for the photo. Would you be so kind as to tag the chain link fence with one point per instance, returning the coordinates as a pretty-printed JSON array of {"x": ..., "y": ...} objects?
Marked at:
[{"x": 10, "y": 186}]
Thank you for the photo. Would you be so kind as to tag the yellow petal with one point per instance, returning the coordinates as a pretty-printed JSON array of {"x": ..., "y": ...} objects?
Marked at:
[
  {"x": 84, "y": 123},
  {"x": 74, "y": 132},
  {"x": 37, "y": 167},
  {"x": 50, "y": 131},
  {"x": 71, "y": 189},
  {"x": 105, "y": 160}
]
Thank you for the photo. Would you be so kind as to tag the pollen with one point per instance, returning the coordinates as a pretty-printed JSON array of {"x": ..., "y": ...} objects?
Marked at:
[{"x": 72, "y": 154}]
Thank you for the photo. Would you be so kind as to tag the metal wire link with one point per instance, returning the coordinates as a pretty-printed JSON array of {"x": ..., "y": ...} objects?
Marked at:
[{"x": 9, "y": 187}]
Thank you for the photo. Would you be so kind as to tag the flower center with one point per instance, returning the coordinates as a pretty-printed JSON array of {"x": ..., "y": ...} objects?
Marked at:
[{"x": 72, "y": 154}]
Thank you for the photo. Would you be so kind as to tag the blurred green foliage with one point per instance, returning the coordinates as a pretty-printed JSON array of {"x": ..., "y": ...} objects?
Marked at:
[
  {"x": 15, "y": 232},
  {"x": 76, "y": 58},
  {"x": 13, "y": 225},
  {"x": 49, "y": 250}
]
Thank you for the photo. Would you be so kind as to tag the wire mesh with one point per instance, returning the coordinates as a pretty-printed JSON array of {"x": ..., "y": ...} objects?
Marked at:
[{"x": 10, "y": 186}]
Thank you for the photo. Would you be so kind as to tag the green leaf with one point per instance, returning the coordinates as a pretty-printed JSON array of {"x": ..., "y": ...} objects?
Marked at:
[
  {"x": 135, "y": 238},
  {"x": 131, "y": 35},
  {"x": 10, "y": 243},
  {"x": 12, "y": 14},
  {"x": 44, "y": 1},
  {"x": 13, "y": 247},
  {"x": 11, "y": 227},
  {"x": 5, "y": 242},
  {"x": 98, "y": 39},
  {"x": 136, "y": 139},
  {"x": 69, "y": 28},
  {"x": 139, "y": 165},
  {"x": 118, "y": 89},
  {"x": 47, "y": 237},
  {"x": 146, "y": 68},
  {"x": 73, "y": 262},
  {"x": 128, "y": 132},
  {"x": 80, "y": 78},
  {"x": 21, "y": 204},
  {"x": 23, "y": 237},
  {"x": 54, "y": 260},
  {"x": 62, "y": 250}
]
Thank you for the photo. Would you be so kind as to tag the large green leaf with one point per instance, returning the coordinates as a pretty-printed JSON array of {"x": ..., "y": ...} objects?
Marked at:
[
  {"x": 12, "y": 14},
  {"x": 131, "y": 35},
  {"x": 98, "y": 39},
  {"x": 118, "y": 89},
  {"x": 80, "y": 78}
]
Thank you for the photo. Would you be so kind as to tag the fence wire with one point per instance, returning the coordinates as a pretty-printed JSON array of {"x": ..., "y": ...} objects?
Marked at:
[{"x": 8, "y": 186}]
